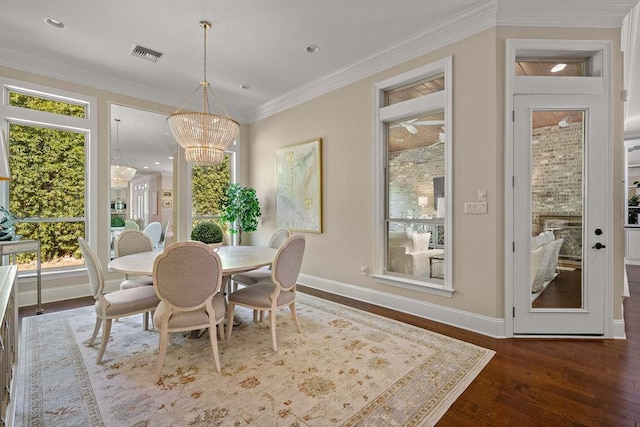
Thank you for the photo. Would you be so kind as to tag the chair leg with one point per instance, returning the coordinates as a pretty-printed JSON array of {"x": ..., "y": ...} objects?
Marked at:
[
  {"x": 145, "y": 321},
  {"x": 272, "y": 326},
  {"x": 162, "y": 352},
  {"x": 230, "y": 312},
  {"x": 106, "y": 330},
  {"x": 95, "y": 330},
  {"x": 294, "y": 316},
  {"x": 221, "y": 330},
  {"x": 213, "y": 339}
]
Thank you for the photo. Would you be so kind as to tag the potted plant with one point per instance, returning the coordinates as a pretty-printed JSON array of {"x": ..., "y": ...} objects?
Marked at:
[
  {"x": 208, "y": 232},
  {"x": 240, "y": 210}
]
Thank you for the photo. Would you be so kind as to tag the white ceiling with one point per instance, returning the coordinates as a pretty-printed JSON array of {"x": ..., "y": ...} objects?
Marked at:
[{"x": 253, "y": 42}]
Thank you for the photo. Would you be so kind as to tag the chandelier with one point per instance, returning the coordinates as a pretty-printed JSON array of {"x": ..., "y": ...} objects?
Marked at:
[
  {"x": 121, "y": 174},
  {"x": 204, "y": 136}
]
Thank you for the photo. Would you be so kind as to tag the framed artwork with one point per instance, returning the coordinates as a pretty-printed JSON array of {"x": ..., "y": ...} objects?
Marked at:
[
  {"x": 299, "y": 186},
  {"x": 167, "y": 203},
  {"x": 166, "y": 193}
]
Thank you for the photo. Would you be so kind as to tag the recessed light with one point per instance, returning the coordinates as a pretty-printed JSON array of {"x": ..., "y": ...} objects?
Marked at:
[
  {"x": 145, "y": 167},
  {"x": 246, "y": 87},
  {"x": 170, "y": 157},
  {"x": 558, "y": 67},
  {"x": 156, "y": 163},
  {"x": 55, "y": 23},
  {"x": 312, "y": 48}
]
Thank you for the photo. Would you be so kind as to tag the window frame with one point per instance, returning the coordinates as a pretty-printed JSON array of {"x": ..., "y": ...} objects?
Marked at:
[
  {"x": 88, "y": 125},
  {"x": 441, "y": 100}
]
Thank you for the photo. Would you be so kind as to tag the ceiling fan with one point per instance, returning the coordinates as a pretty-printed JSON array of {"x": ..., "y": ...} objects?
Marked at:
[{"x": 410, "y": 125}]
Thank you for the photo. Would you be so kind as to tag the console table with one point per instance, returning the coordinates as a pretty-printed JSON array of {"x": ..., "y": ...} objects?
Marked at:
[
  {"x": 13, "y": 247},
  {"x": 8, "y": 343}
]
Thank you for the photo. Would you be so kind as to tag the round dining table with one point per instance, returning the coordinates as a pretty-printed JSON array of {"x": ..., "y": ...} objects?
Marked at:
[{"x": 234, "y": 259}]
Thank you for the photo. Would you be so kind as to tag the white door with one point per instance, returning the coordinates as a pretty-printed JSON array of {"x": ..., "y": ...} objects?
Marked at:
[{"x": 560, "y": 222}]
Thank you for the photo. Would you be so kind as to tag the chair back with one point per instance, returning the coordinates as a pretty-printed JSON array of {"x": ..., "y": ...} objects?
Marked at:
[
  {"x": 187, "y": 274},
  {"x": 94, "y": 268},
  {"x": 163, "y": 235},
  {"x": 131, "y": 225},
  {"x": 279, "y": 237},
  {"x": 286, "y": 265},
  {"x": 153, "y": 231},
  {"x": 131, "y": 242}
]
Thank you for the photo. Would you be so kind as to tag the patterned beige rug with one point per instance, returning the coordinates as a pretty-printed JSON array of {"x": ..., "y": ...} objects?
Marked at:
[{"x": 347, "y": 368}]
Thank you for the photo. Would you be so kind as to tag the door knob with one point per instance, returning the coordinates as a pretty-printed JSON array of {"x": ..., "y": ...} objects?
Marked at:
[
  {"x": 599, "y": 246},
  {"x": 598, "y": 232}
]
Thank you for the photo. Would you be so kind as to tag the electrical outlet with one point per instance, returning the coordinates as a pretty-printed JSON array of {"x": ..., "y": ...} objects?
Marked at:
[
  {"x": 482, "y": 195},
  {"x": 364, "y": 269},
  {"x": 475, "y": 207}
]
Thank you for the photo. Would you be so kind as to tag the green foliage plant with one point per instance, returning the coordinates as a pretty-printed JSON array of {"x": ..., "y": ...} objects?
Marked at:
[
  {"x": 240, "y": 210},
  {"x": 207, "y": 232},
  {"x": 117, "y": 221}
]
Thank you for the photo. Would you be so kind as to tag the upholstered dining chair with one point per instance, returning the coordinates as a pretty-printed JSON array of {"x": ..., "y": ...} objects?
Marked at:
[
  {"x": 187, "y": 277},
  {"x": 131, "y": 225},
  {"x": 132, "y": 242},
  {"x": 278, "y": 293},
  {"x": 154, "y": 231},
  {"x": 262, "y": 274},
  {"x": 113, "y": 305}
]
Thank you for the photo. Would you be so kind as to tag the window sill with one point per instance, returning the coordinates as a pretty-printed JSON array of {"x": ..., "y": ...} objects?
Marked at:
[
  {"x": 62, "y": 273},
  {"x": 414, "y": 285}
]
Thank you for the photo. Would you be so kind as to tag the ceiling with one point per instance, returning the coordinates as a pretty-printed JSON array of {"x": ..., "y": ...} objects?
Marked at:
[{"x": 260, "y": 44}]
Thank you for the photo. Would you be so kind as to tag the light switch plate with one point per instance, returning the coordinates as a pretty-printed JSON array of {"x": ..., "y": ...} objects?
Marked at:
[{"x": 475, "y": 207}]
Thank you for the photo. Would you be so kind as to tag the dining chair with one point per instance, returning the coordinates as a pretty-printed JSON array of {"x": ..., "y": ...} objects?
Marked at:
[
  {"x": 154, "y": 231},
  {"x": 264, "y": 273},
  {"x": 249, "y": 278},
  {"x": 187, "y": 277},
  {"x": 275, "y": 294},
  {"x": 113, "y": 305},
  {"x": 132, "y": 242},
  {"x": 131, "y": 225}
]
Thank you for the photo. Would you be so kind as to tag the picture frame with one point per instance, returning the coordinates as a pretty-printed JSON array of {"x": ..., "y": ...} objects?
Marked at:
[
  {"x": 167, "y": 203},
  {"x": 299, "y": 186},
  {"x": 167, "y": 193}
]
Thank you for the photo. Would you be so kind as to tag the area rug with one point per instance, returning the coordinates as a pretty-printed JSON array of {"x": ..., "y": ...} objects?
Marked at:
[{"x": 347, "y": 368}]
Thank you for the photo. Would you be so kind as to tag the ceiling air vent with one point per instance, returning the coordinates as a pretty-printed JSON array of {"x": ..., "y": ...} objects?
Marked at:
[{"x": 145, "y": 53}]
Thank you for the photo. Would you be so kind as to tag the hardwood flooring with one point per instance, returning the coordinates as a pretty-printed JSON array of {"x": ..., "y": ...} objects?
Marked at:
[{"x": 531, "y": 382}]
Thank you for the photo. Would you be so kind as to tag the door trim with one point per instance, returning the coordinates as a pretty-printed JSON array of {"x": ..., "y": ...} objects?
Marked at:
[{"x": 542, "y": 48}]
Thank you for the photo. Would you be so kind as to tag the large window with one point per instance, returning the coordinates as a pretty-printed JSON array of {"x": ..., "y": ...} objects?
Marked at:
[
  {"x": 49, "y": 144},
  {"x": 413, "y": 191},
  {"x": 208, "y": 188}
]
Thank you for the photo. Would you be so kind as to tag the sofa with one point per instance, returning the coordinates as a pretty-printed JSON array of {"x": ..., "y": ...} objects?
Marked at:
[
  {"x": 409, "y": 253},
  {"x": 545, "y": 249}
]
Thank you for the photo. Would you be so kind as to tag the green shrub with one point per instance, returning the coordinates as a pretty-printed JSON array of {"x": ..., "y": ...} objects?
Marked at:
[
  {"x": 117, "y": 221},
  {"x": 207, "y": 232}
]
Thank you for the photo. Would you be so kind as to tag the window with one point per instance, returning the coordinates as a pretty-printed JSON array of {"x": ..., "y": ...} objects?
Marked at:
[
  {"x": 413, "y": 179},
  {"x": 49, "y": 137},
  {"x": 208, "y": 188}
]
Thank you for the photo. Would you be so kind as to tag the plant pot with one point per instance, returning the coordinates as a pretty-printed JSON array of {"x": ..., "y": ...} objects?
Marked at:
[{"x": 214, "y": 246}]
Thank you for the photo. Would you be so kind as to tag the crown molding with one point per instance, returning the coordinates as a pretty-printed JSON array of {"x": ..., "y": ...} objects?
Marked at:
[
  {"x": 565, "y": 13},
  {"x": 464, "y": 24},
  {"x": 541, "y": 13}
]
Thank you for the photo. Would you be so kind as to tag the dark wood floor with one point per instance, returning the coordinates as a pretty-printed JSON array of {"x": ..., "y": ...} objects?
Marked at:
[
  {"x": 564, "y": 291},
  {"x": 532, "y": 382}
]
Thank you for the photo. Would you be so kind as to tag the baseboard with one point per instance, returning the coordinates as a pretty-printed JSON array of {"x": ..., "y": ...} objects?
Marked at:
[
  {"x": 618, "y": 330},
  {"x": 483, "y": 325}
]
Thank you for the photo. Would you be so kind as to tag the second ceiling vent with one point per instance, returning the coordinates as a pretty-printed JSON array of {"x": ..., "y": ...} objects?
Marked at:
[{"x": 145, "y": 53}]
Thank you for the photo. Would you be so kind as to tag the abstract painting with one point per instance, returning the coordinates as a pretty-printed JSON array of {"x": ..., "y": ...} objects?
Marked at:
[{"x": 299, "y": 186}]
